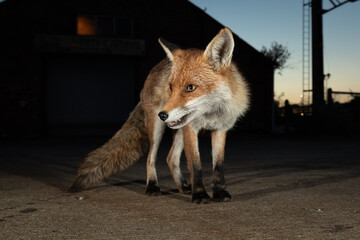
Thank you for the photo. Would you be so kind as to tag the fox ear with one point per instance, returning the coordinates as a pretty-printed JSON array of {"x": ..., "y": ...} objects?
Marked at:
[
  {"x": 168, "y": 48},
  {"x": 220, "y": 49}
]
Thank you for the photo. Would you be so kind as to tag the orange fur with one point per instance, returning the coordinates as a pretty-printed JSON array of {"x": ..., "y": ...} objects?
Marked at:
[{"x": 218, "y": 96}]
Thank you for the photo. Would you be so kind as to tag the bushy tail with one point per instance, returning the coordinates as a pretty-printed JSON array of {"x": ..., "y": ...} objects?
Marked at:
[{"x": 126, "y": 147}]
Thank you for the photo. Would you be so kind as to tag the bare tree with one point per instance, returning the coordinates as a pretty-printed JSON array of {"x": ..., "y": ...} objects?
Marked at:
[{"x": 277, "y": 54}]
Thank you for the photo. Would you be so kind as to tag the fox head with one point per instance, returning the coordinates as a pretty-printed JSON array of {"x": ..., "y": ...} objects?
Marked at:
[{"x": 198, "y": 80}]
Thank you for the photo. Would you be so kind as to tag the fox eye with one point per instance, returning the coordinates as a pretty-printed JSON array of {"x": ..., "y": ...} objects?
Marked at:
[
  {"x": 170, "y": 87},
  {"x": 190, "y": 88}
]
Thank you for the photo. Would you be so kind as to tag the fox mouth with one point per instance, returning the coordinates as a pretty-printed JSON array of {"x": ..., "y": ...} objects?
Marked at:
[{"x": 177, "y": 123}]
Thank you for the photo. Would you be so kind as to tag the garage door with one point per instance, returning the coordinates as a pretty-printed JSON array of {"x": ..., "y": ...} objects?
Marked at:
[{"x": 87, "y": 94}]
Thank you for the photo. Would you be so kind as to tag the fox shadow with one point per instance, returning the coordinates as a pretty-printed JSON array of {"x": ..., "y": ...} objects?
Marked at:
[{"x": 239, "y": 176}]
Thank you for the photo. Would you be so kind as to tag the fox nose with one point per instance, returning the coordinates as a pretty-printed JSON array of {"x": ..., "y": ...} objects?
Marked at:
[{"x": 163, "y": 115}]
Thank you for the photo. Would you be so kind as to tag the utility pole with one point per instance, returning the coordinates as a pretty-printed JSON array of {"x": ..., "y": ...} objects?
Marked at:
[
  {"x": 317, "y": 64},
  {"x": 318, "y": 104}
]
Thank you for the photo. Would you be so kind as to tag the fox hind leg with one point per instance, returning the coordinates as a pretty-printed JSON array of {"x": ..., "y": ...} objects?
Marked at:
[
  {"x": 173, "y": 161},
  {"x": 218, "y": 139},
  {"x": 155, "y": 130}
]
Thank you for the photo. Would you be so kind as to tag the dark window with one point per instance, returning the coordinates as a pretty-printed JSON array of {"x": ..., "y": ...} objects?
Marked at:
[
  {"x": 105, "y": 26},
  {"x": 123, "y": 27}
]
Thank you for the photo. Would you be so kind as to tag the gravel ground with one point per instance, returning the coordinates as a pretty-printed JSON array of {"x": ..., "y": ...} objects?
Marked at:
[{"x": 282, "y": 188}]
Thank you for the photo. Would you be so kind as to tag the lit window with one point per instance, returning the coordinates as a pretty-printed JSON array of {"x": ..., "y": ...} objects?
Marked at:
[{"x": 86, "y": 25}]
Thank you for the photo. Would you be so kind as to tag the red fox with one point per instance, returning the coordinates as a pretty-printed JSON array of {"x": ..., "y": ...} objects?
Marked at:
[{"x": 188, "y": 91}]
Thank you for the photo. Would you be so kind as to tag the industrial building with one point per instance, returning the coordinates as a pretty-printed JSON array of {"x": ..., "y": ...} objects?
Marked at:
[{"x": 77, "y": 67}]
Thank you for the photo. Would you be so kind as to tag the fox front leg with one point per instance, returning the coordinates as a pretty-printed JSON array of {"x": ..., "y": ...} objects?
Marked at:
[
  {"x": 156, "y": 130},
  {"x": 199, "y": 194},
  {"x": 173, "y": 161},
  {"x": 218, "y": 139}
]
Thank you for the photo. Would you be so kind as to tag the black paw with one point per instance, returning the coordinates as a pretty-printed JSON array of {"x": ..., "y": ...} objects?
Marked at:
[
  {"x": 152, "y": 189},
  {"x": 221, "y": 196},
  {"x": 186, "y": 188},
  {"x": 200, "y": 197}
]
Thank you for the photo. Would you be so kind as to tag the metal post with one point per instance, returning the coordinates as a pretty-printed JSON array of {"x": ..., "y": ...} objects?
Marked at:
[{"x": 317, "y": 63}]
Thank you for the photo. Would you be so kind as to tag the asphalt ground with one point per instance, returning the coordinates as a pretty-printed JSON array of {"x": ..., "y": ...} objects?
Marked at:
[{"x": 282, "y": 188}]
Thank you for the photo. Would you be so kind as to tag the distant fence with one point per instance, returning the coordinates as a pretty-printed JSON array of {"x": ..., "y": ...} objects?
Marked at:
[{"x": 338, "y": 117}]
